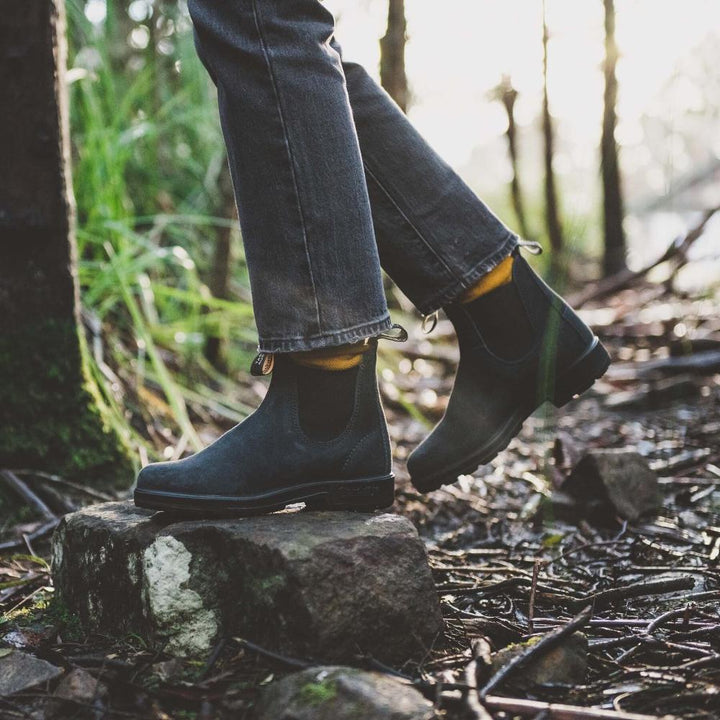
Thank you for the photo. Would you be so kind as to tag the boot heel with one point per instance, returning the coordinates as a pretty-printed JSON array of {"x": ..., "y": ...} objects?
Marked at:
[
  {"x": 358, "y": 495},
  {"x": 581, "y": 376}
]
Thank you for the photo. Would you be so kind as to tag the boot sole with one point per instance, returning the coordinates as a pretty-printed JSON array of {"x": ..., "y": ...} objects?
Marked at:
[
  {"x": 361, "y": 495},
  {"x": 576, "y": 380}
]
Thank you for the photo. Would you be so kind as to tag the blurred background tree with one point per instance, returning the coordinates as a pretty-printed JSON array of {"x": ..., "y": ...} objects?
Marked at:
[
  {"x": 392, "y": 55},
  {"x": 507, "y": 95},
  {"x": 552, "y": 209},
  {"x": 614, "y": 250}
]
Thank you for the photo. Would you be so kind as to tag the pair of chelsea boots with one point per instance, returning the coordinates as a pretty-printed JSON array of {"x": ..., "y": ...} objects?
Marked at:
[{"x": 321, "y": 438}]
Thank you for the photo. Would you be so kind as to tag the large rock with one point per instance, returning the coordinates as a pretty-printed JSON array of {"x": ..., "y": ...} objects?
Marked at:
[
  {"x": 337, "y": 693},
  {"x": 327, "y": 585}
]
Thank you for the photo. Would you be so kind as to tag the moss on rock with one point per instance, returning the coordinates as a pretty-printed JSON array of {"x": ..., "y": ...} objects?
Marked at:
[
  {"x": 317, "y": 693},
  {"x": 50, "y": 415}
]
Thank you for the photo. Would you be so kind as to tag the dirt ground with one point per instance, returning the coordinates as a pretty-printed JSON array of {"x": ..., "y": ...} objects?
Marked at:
[{"x": 513, "y": 558}]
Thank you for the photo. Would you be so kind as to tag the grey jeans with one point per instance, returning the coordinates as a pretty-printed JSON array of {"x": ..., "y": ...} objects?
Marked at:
[{"x": 332, "y": 181}]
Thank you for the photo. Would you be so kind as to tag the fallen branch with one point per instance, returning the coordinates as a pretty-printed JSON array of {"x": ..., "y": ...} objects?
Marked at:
[
  {"x": 544, "y": 645},
  {"x": 556, "y": 711},
  {"x": 705, "y": 362},
  {"x": 670, "y": 615},
  {"x": 44, "y": 529},
  {"x": 289, "y": 661},
  {"x": 21, "y": 488},
  {"x": 481, "y": 660},
  {"x": 57, "y": 480},
  {"x": 654, "y": 587},
  {"x": 677, "y": 250}
]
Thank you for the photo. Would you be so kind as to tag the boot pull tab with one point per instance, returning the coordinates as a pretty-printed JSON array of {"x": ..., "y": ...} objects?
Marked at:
[
  {"x": 532, "y": 246},
  {"x": 397, "y": 333},
  {"x": 429, "y": 322},
  {"x": 262, "y": 364}
]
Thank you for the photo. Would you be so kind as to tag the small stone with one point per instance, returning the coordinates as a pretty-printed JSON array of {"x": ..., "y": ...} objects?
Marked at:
[
  {"x": 20, "y": 671},
  {"x": 565, "y": 664},
  {"x": 326, "y": 585},
  {"x": 79, "y": 685},
  {"x": 617, "y": 479},
  {"x": 167, "y": 670},
  {"x": 339, "y": 693}
]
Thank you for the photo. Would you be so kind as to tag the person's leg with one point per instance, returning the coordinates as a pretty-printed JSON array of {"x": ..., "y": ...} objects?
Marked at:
[
  {"x": 297, "y": 171},
  {"x": 319, "y": 435},
  {"x": 435, "y": 237},
  {"x": 520, "y": 344}
]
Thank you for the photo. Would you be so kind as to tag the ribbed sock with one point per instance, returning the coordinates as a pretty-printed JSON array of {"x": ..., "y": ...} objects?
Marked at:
[
  {"x": 500, "y": 275},
  {"x": 340, "y": 357}
]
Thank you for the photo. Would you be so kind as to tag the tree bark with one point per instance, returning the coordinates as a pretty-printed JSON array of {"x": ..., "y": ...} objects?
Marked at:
[
  {"x": 614, "y": 252},
  {"x": 552, "y": 211},
  {"x": 49, "y": 419},
  {"x": 392, "y": 55}
]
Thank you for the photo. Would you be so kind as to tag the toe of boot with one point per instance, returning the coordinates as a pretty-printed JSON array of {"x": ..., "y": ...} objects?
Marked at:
[{"x": 156, "y": 477}]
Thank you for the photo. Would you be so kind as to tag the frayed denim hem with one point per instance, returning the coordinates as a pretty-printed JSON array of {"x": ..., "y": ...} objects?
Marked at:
[{"x": 331, "y": 339}]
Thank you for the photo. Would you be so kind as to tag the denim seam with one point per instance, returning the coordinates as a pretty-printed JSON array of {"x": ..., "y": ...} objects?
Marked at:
[
  {"x": 410, "y": 223},
  {"x": 452, "y": 292},
  {"x": 337, "y": 337},
  {"x": 291, "y": 157}
]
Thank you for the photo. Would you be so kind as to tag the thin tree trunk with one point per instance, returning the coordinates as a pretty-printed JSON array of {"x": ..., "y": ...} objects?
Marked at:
[
  {"x": 614, "y": 255},
  {"x": 49, "y": 419},
  {"x": 392, "y": 55},
  {"x": 552, "y": 211},
  {"x": 220, "y": 270},
  {"x": 507, "y": 95}
]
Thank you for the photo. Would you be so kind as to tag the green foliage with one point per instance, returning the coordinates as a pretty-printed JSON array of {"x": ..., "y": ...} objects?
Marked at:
[
  {"x": 44, "y": 609},
  {"x": 148, "y": 160}
]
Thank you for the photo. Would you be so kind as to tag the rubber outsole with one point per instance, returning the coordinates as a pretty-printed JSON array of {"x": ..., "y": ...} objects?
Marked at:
[
  {"x": 361, "y": 495},
  {"x": 576, "y": 380}
]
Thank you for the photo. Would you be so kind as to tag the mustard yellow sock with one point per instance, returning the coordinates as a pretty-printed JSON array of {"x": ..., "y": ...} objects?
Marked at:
[
  {"x": 340, "y": 357},
  {"x": 500, "y": 275}
]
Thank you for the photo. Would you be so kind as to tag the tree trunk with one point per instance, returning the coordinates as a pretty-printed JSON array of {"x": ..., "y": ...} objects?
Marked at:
[
  {"x": 552, "y": 211},
  {"x": 220, "y": 269},
  {"x": 392, "y": 55},
  {"x": 49, "y": 418},
  {"x": 614, "y": 256},
  {"x": 507, "y": 95}
]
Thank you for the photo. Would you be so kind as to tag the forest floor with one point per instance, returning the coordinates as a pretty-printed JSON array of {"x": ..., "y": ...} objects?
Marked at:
[{"x": 512, "y": 558}]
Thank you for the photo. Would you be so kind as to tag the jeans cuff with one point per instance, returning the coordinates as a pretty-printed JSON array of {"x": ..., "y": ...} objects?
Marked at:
[
  {"x": 330, "y": 339},
  {"x": 452, "y": 291}
]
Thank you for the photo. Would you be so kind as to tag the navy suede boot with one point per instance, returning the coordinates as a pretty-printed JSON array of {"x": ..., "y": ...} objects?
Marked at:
[
  {"x": 318, "y": 437},
  {"x": 520, "y": 345}
]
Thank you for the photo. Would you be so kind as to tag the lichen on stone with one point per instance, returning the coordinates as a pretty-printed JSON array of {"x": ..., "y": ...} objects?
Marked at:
[
  {"x": 177, "y": 610},
  {"x": 132, "y": 569}
]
